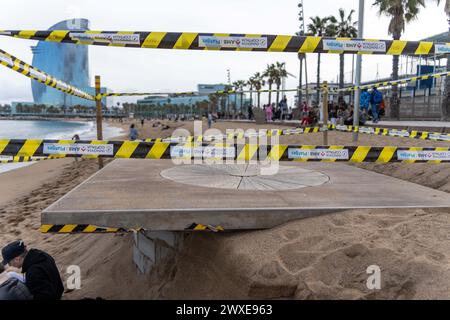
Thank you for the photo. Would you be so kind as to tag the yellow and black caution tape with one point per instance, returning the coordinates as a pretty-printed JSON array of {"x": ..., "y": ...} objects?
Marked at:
[
  {"x": 238, "y": 135},
  {"x": 132, "y": 94},
  {"x": 78, "y": 228},
  {"x": 413, "y": 134},
  {"x": 137, "y": 94},
  {"x": 88, "y": 228},
  {"x": 34, "y": 73},
  {"x": 379, "y": 85},
  {"x": 203, "y": 227},
  {"x": 222, "y": 151},
  {"x": 396, "y": 82},
  {"x": 232, "y": 42}
]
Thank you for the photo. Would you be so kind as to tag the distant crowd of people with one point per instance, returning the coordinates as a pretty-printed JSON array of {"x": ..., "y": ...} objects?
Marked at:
[
  {"x": 372, "y": 107},
  {"x": 278, "y": 112}
]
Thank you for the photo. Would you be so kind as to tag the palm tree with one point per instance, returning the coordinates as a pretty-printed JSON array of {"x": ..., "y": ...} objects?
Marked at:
[
  {"x": 270, "y": 73},
  {"x": 400, "y": 12},
  {"x": 214, "y": 98},
  {"x": 281, "y": 73},
  {"x": 319, "y": 27},
  {"x": 343, "y": 27},
  {"x": 239, "y": 86},
  {"x": 259, "y": 82},
  {"x": 446, "y": 102}
]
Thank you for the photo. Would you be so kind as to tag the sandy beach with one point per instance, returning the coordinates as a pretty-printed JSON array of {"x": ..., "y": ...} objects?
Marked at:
[{"x": 316, "y": 258}]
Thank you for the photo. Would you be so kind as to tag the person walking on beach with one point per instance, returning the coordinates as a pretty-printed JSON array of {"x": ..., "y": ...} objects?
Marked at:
[
  {"x": 41, "y": 274},
  {"x": 210, "y": 119},
  {"x": 133, "y": 132},
  {"x": 12, "y": 286},
  {"x": 76, "y": 137},
  {"x": 142, "y": 122}
]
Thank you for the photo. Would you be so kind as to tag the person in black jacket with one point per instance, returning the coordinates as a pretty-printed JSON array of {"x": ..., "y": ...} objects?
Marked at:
[{"x": 41, "y": 274}]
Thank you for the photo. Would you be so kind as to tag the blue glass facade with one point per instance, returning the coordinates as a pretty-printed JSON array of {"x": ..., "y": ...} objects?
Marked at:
[{"x": 67, "y": 62}]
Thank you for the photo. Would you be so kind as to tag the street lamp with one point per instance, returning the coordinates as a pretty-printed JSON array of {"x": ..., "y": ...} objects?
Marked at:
[
  {"x": 301, "y": 56},
  {"x": 358, "y": 71}
]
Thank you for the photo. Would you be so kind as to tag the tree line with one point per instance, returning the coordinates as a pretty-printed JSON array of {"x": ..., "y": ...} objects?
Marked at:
[{"x": 400, "y": 12}]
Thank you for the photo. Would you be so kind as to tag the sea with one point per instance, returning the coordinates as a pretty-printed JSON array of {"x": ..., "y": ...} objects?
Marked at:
[{"x": 41, "y": 129}]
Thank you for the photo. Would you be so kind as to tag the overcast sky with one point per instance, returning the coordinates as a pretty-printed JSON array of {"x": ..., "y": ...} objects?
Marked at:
[{"x": 129, "y": 69}]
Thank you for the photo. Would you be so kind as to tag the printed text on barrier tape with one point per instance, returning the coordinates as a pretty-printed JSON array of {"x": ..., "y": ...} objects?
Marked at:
[
  {"x": 244, "y": 153},
  {"x": 232, "y": 42}
]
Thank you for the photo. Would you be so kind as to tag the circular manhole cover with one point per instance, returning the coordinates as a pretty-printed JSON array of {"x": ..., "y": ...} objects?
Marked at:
[{"x": 244, "y": 177}]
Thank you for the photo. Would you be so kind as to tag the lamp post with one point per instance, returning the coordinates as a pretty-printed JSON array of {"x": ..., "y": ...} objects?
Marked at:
[
  {"x": 301, "y": 56},
  {"x": 358, "y": 72}
]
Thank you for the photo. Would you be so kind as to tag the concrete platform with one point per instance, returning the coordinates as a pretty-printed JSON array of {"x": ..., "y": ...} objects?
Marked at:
[{"x": 131, "y": 193}]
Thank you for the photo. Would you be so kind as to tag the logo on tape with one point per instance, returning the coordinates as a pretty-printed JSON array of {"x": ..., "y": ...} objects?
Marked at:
[
  {"x": 423, "y": 155},
  {"x": 296, "y": 153},
  {"x": 79, "y": 149},
  {"x": 396, "y": 133},
  {"x": 354, "y": 45},
  {"x": 441, "y": 48},
  {"x": 367, "y": 130},
  {"x": 202, "y": 152},
  {"x": 232, "y": 42},
  {"x": 435, "y": 136},
  {"x": 341, "y": 127},
  {"x": 110, "y": 38},
  {"x": 292, "y": 131}
]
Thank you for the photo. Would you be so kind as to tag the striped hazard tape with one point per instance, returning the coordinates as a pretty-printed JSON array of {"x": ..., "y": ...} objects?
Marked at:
[
  {"x": 423, "y": 135},
  {"x": 239, "y": 135},
  {"x": 232, "y": 42},
  {"x": 222, "y": 151},
  {"x": 34, "y": 73},
  {"x": 396, "y": 82},
  {"x": 181, "y": 139},
  {"x": 87, "y": 228},
  {"x": 380, "y": 85},
  {"x": 78, "y": 228},
  {"x": 203, "y": 227},
  {"x": 220, "y": 92}
]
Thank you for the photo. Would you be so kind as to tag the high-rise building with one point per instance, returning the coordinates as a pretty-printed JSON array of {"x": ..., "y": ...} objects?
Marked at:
[{"x": 67, "y": 62}]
